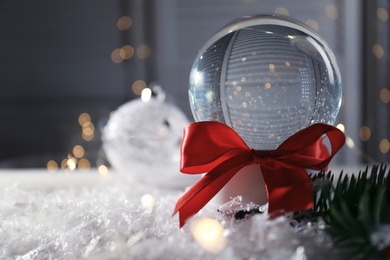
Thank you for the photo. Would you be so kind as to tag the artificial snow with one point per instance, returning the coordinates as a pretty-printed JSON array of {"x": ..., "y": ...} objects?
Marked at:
[{"x": 126, "y": 219}]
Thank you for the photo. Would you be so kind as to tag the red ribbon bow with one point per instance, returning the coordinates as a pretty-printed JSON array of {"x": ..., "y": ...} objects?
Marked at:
[{"x": 218, "y": 150}]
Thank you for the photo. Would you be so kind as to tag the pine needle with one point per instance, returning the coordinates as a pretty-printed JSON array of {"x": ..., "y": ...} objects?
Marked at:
[{"x": 353, "y": 209}]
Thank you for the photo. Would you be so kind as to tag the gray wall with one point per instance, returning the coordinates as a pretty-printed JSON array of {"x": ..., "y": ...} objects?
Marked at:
[{"x": 55, "y": 63}]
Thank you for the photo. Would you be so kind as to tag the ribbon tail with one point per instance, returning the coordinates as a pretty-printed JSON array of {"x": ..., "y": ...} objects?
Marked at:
[
  {"x": 207, "y": 187},
  {"x": 289, "y": 189}
]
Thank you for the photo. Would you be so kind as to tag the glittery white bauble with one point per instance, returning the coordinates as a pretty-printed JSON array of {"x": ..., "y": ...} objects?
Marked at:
[
  {"x": 142, "y": 140},
  {"x": 267, "y": 77}
]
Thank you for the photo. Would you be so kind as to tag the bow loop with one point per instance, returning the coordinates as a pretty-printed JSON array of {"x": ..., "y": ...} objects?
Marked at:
[{"x": 207, "y": 144}]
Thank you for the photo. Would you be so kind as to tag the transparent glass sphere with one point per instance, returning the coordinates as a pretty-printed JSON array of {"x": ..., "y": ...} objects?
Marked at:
[{"x": 267, "y": 77}]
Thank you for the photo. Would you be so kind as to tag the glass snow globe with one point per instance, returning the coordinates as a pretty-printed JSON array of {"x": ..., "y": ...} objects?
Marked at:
[{"x": 267, "y": 77}]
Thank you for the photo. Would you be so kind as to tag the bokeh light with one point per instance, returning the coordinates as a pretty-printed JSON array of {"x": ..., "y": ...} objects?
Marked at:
[
  {"x": 143, "y": 51},
  {"x": 313, "y": 24},
  {"x": 127, "y": 52},
  {"x": 332, "y": 12},
  {"x": 71, "y": 163},
  {"x": 117, "y": 55},
  {"x": 124, "y": 23},
  {"x": 147, "y": 201},
  {"x": 209, "y": 234},
  {"x": 64, "y": 163},
  {"x": 378, "y": 51},
  {"x": 382, "y": 14},
  {"x": 83, "y": 164},
  {"x": 103, "y": 170},
  {"x": 384, "y": 145},
  {"x": 365, "y": 133},
  {"x": 282, "y": 10},
  {"x": 52, "y": 166},
  {"x": 385, "y": 95},
  {"x": 88, "y": 131},
  {"x": 78, "y": 151},
  {"x": 349, "y": 142},
  {"x": 84, "y": 118},
  {"x": 146, "y": 94},
  {"x": 138, "y": 86},
  {"x": 341, "y": 127}
]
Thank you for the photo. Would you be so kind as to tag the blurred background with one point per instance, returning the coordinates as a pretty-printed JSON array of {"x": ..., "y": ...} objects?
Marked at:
[{"x": 65, "y": 65}]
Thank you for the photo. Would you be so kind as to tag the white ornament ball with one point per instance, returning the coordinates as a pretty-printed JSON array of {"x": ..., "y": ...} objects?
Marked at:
[{"x": 142, "y": 140}]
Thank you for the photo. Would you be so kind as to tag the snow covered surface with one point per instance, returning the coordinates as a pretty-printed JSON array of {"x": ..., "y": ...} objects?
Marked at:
[{"x": 74, "y": 215}]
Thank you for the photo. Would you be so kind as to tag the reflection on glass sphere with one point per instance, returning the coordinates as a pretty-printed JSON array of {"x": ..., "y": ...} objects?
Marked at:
[{"x": 267, "y": 77}]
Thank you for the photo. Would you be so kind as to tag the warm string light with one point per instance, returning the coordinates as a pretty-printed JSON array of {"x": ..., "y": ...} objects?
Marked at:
[
  {"x": 143, "y": 51},
  {"x": 52, "y": 166},
  {"x": 148, "y": 201},
  {"x": 124, "y": 23},
  {"x": 332, "y": 12},
  {"x": 116, "y": 55},
  {"x": 83, "y": 164},
  {"x": 84, "y": 118},
  {"x": 382, "y": 14},
  {"x": 282, "y": 10},
  {"x": 71, "y": 163},
  {"x": 76, "y": 159},
  {"x": 271, "y": 67},
  {"x": 313, "y": 24},
  {"x": 378, "y": 51},
  {"x": 78, "y": 151},
  {"x": 348, "y": 140},
  {"x": 341, "y": 127},
  {"x": 146, "y": 94},
  {"x": 384, "y": 145},
  {"x": 384, "y": 95},
  {"x": 209, "y": 234},
  {"x": 138, "y": 86},
  {"x": 87, "y": 127},
  {"x": 365, "y": 135},
  {"x": 103, "y": 170},
  {"x": 126, "y": 52},
  {"x": 88, "y": 131}
]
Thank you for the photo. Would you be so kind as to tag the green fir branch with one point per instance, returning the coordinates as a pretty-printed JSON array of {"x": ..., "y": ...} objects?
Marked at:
[{"x": 353, "y": 209}]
